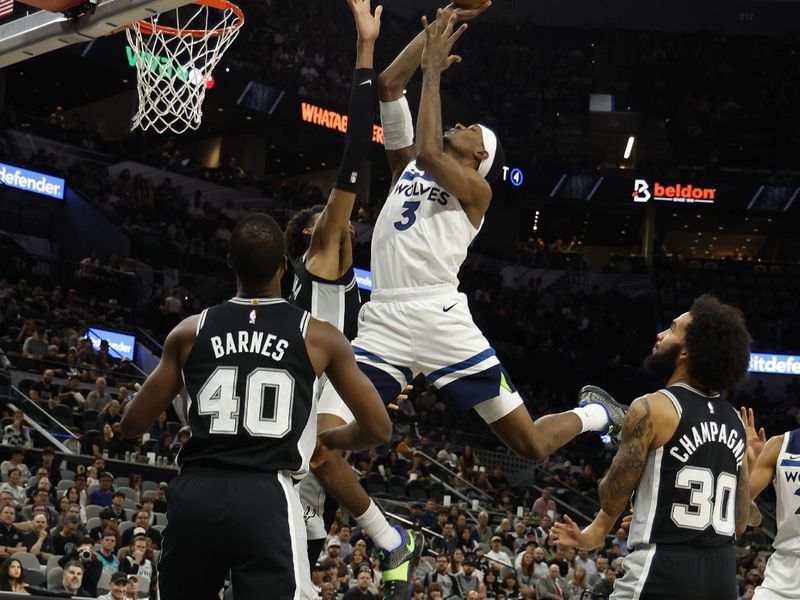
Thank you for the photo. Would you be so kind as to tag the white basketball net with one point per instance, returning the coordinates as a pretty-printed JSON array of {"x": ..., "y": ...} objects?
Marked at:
[{"x": 173, "y": 67}]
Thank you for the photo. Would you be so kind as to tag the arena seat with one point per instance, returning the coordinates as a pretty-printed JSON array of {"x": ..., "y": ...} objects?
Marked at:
[
  {"x": 65, "y": 484},
  {"x": 124, "y": 526},
  {"x": 375, "y": 484},
  {"x": 417, "y": 490},
  {"x": 130, "y": 493},
  {"x": 104, "y": 583},
  {"x": 148, "y": 486},
  {"x": 397, "y": 487},
  {"x": 63, "y": 415},
  {"x": 52, "y": 563},
  {"x": 28, "y": 561},
  {"x": 92, "y": 510},
  {"x": 54, "y": 576},
  {"x": 35, "y": 577}
]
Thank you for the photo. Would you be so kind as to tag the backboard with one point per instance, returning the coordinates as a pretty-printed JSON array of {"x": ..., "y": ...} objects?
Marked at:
[{"x": 43, "y": 31}]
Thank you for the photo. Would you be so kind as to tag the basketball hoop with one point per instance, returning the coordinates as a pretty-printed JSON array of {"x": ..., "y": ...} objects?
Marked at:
[{"x": 176, "y": 52}]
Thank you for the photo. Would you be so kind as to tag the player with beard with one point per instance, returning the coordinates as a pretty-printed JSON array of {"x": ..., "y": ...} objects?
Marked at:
[{"x": 683, "y": 453}]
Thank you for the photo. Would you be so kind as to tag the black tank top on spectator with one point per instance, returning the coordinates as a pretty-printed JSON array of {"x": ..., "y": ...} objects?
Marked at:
[
  {"x": 687, "y": 492},
  {"x": 250, "y": 384},
  {"x": 337, "y": 302}
]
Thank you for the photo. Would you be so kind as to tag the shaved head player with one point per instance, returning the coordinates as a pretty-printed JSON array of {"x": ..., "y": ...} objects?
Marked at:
[{"x": 249, "y": 367}]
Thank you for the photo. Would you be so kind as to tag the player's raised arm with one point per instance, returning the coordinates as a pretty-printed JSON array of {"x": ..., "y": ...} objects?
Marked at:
[
  {"x": 398, "y": 125},
  {"x": 332, "y": 354},
  {"x": 330, "y": 253},
  {"x": 761, "y": 453},
  {"x": 763, "y": 471},
  {"x": 458, "y": 176},
  {"x": 163, "y": 384}
]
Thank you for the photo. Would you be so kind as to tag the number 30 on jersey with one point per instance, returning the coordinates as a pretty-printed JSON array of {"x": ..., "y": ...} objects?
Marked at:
[{"x": 708, "y": 504}]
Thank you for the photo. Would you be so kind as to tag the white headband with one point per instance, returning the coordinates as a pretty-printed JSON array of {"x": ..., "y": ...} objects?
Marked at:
[{"x": 490, "y": 144}]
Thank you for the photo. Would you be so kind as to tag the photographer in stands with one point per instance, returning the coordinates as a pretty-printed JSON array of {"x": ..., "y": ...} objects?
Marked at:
[{"x": 83, "y": 554}]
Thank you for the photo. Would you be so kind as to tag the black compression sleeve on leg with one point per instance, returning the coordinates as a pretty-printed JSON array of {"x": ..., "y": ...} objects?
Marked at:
[{"x": 360, "y": 121}]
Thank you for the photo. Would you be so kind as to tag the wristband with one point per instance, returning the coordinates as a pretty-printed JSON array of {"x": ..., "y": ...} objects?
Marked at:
[{"x": 398, "y": 126}]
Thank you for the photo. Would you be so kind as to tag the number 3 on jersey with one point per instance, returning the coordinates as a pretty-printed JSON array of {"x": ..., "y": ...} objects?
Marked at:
[
  {"x": 217, "y": 399},
  {"x": 409, "y": 215},
  {"x": 707, "y": 506}
]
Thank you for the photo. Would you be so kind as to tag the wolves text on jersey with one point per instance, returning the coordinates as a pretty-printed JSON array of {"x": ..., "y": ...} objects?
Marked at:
[
  {"x": 252, "y": 342},
  {"x": 410, "y": 187}
]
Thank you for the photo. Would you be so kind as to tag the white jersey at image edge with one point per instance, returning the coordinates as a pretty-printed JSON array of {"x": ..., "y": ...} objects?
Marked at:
[
  {"x": 421, "y": 236},
  {"x": 787, "y": 490}
]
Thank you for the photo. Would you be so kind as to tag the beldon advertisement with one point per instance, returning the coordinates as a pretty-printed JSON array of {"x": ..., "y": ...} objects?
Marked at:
[{"x": 644, "y": 191}]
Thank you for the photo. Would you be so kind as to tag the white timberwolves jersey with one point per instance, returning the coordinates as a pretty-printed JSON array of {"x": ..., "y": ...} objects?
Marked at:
[
  {"x": 787, "y": 490},
  {"x": 422, "y": 235}
]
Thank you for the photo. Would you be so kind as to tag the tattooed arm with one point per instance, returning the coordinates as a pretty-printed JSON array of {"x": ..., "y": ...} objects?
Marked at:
[{"x": 616, "y": 487}]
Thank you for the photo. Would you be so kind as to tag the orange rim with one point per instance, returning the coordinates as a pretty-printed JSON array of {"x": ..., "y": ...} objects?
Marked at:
[{"x": 146, "y": 27}]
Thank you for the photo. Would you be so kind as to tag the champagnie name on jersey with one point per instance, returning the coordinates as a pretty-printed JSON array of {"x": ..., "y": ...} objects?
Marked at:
[
  {"x": 708, "y": 431},
  {"x": 252, "y": 342},
  {"x": 414, "y": 183}
]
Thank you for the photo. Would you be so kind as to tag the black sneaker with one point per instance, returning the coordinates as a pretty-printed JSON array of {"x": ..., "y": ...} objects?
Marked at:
[
  {"x": 591, "y": 394},
  {"x": 398, "y": 565}
]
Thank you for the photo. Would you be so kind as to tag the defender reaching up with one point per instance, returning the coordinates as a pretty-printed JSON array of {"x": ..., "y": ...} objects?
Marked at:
[{"x": 319, "y": 241}]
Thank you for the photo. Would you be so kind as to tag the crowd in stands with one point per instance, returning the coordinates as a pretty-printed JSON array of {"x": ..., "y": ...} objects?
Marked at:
[
  {"x": 718, "y": 124},
  {"x": 83, "y": 531},
  {"x": 766, "y": 293},
  {"x": 572, "y": 336},
  {"x": 505, "y": 551}
]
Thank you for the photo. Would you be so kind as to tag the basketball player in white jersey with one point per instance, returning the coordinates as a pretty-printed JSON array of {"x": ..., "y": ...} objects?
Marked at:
[
  {"x": 417, "y": 321},
  {"x": 778, "y": 460}
]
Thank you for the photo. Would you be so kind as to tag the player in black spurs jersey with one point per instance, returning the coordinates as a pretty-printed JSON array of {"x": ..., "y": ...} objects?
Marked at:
[
  {"x": 684, "y": 453},
  {"x": 249, "y": 367},
  {"x": 319, "y": 242}
]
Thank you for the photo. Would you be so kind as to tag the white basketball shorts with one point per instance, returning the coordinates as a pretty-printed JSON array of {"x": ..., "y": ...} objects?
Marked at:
[{"x": 430, "y": 330}]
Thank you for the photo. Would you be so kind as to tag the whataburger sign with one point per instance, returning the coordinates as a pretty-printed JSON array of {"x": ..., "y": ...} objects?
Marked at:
[
  {"x": 643, "y": 191},
  {"x": 330, "y": 119}
]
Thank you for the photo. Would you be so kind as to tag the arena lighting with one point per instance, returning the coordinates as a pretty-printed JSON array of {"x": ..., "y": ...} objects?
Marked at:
[
  {"x": 629, "y": 147},
  {"x": 774, "y": 364},
  {"x": 330, "y": 119}
]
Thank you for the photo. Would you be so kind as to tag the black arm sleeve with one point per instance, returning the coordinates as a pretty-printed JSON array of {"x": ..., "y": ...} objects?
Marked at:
[{"x": 360, "y": 121}]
